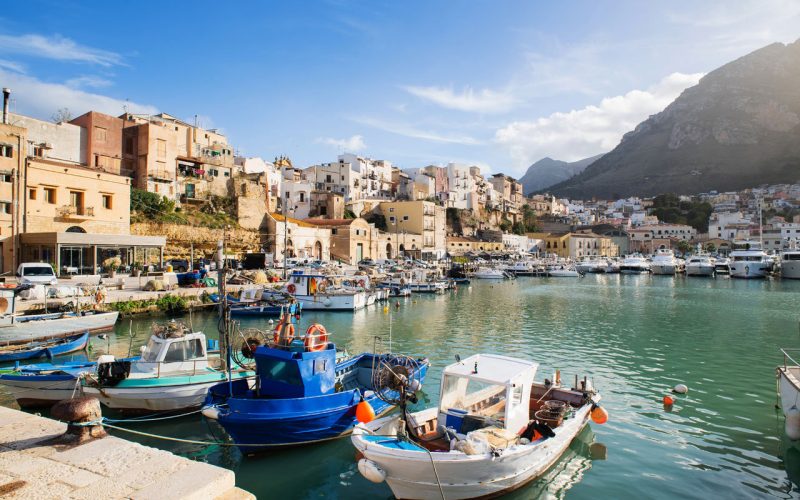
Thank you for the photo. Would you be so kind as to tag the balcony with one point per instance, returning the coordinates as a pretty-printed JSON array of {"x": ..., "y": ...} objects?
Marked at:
[{"x": 75, "y": 213}]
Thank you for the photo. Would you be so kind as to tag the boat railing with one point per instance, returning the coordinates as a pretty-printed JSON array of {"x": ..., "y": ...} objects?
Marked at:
[
  {"x": 158, "y": 364},
  {"x": 787, "y": 356}
]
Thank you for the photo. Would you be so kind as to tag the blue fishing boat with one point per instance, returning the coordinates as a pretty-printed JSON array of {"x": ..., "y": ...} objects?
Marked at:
[
  {"x": 265, "y": 308},
  {"x": 49, "y": 348},
  {"x": 305, "y": 390}
]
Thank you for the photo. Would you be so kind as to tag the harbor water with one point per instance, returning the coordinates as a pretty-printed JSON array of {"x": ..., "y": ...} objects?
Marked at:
[{"x": 634, "y": 336}]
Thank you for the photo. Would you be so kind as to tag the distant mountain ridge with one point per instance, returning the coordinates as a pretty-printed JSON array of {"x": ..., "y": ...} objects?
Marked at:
[
  {"x": 738, "y": 127},
  {"x": 547, "y": 171}
]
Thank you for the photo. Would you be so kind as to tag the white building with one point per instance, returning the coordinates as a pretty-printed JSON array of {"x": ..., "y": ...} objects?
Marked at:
[
  {"x": 354, "y": 177},
  {"x": 57, "y": 141},
  {"x": 728, "y": 226}
]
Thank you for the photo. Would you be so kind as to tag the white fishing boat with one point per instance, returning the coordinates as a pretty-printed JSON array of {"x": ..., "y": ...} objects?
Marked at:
[
  {"x": 173, "y": 373},
  {"x": 749, "y": 261},
  {"x": 790, "y": 262},
  {"x": 700, "y": 265},
  {"x": 317, "y": 292},
  {"x": 634, "y": 264},
  {"x": 495, "y": 430},
  {"x": 664, "y": 262},
  {"x": 489, "y": 273}
]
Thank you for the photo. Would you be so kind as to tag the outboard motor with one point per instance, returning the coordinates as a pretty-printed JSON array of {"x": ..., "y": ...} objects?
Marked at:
[{"x": 111, "y": 372}]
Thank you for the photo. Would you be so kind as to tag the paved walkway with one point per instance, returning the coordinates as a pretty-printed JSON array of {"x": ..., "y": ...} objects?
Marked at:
[{"x": 102, "y": 468}]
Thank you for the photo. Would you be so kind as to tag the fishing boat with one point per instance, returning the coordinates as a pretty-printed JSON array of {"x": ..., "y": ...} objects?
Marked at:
[
  {"x": 418, "y": 281},
  {"x": 45, "y": 384},
  {"x": 265, "y": 308},
  {"x": 488, "y": 273},
  {"x": 38, "y": 349},
  {"x": 306, "y": 391},
  {"x": 634, "y": 264},
  {"x": 749, "y": 261},
  {"x": 665, "y": 263},
  {"x": 318, "y": 292},
  {"x": 495, "y": 430},
  {"x": 173, "y": 373}
]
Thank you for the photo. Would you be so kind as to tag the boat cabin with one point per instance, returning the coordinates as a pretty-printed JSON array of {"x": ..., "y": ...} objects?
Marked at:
[
  {"x": 487, "y": 386},
  {"x": 173, "y": 352},
  {"x": 295, "y": 373},
  {"x": 305, "y": 284}
]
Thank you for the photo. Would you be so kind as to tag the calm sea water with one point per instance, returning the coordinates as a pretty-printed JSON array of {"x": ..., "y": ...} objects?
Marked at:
[{"x": 635, "y": 336}]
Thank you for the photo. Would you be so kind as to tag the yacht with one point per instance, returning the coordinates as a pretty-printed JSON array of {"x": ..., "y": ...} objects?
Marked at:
[
  {"x": 487, "y": 273},
  {"x": 722, "y": 265},
  {"x": 563, "y": 272},
  {"x": 749, "y": 261},
  {"x": 591, "y": 264},
  {"x": 634, "y": 264},
  {"x": 790, "y": 262},
  {"x": 700, "y": 265},
  {"x": 664, "y": 262}
]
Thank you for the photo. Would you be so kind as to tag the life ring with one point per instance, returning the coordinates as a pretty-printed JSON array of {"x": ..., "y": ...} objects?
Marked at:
[
  {"x": 322, "y": 287},
  {"x": 276, "y": 337},
  {"x": 361, "y": 283},
  {"x": 291, "y": 288},
  {"x": 316, "y": 338}
]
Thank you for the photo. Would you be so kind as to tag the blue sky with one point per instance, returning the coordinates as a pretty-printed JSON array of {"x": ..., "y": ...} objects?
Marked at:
[{"x": 491, "y": 83}]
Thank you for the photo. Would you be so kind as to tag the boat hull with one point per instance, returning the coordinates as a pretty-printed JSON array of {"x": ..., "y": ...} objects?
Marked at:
[
  {"x": 328, "y": 302},
  {"x": 789, "y": 386},
  {"x": 700, "y": 270},
  {"x": 749, "y": 270},
  {"x": 663, "y": 269},
  {"x": 409, "y": 473},
  {"x": 57, "y": 347},
  {"x": 790, "y": 269},
  {"x": 42, "y": 390},
  {"x": 33, "y": 328}
]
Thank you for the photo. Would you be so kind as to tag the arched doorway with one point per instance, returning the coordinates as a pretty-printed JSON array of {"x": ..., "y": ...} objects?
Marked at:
[
  {"x": 318, "y": 250},
  {"x": 402, "y": 250},
  {"x": 388, "y": 250},
  {"x": 75, "y": 229}
]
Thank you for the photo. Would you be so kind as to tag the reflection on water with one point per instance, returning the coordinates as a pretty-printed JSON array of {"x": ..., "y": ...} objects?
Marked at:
[{"x": 634, "y": 336}]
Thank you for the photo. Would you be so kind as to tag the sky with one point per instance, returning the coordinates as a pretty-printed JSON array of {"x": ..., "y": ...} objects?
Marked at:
[{"x": 497, "y": 84}]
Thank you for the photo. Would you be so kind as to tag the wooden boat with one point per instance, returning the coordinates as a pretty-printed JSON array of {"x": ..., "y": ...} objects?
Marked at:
[
  {"x": 38, "y": 349},
  {"x": 494, "y": 431},
  {"x": 45, "y": 384}
]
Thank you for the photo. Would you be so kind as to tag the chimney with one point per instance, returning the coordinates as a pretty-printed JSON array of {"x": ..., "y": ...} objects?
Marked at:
[{"x": 6, "y": 93}]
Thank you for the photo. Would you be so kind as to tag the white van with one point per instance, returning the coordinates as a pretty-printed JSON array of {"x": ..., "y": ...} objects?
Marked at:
[{"x": 36, "y": 273}]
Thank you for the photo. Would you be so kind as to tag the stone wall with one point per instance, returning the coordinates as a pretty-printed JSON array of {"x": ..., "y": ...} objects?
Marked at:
[{"x": 181, "y": 237}]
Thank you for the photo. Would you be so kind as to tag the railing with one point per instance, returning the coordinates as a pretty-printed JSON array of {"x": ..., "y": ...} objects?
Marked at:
[
  {"x": 790, "y": 358},
  {"x": 176, "y": 372},
  {"x": 71, "y": 211}
]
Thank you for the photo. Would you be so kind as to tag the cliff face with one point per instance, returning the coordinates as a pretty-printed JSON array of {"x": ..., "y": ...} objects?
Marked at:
[
  {"x": 181, "y": 237},
  {"x": 739, "y": 127}
]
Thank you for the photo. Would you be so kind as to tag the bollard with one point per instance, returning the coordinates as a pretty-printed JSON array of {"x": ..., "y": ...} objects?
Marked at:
[{"x": 79, "y": 411}]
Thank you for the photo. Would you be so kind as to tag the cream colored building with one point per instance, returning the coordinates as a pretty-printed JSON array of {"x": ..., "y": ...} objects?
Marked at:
[
  {"x": 575, "y": 245},
  {"x": 302, "y": 239},
  {"x": 460, "y": 245},
  {"x": 424, "y": 218}
]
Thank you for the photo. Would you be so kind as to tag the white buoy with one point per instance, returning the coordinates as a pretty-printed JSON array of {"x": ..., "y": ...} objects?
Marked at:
[
  {"x": 371, "y": 471},
  {"x": 211, "y": 412},
  {"x": 792, "y": 426},
  {"x": 680, "y": 389}
]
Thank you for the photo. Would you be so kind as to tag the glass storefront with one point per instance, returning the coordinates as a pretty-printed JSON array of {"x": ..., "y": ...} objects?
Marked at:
[{"x": 76, "y": 260}]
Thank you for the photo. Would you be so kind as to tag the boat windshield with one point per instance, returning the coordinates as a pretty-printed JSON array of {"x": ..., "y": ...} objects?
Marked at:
[
  {"x": 150, "y": 353},
  {"x": 473, "y": 396}
]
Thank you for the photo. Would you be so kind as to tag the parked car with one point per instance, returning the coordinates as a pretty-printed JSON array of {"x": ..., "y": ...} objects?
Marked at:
[
  {"x": 36, "y": 273},
  {"x": 178, "y": 265}
]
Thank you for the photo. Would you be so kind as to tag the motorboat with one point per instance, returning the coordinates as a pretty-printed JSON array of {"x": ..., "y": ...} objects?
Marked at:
[
  {"x": 634, "y": 264},
  {"x": 306, "y": 391},
  {"x": 664, "y": 262},
  {"x": 749, "y": 261},
  {"x": 318, "y": 292},
  {"x": 789, "y": 391},
  {"x": 519, "y": 268},
  {"x": 612, "y": 266},
  {"x": 790, "y": 262},
  {"x": 495, "y": 430},
  {"x": 722, "y": 265},
  {"x": 700, "y": 265},
  {"x": 173, "y": 373},
  {"x": 45, "y": 384},
  {"x": 591, "y": 264},
  {"x": 563, "y": 272},
  {"x": 490, "y": 273}
]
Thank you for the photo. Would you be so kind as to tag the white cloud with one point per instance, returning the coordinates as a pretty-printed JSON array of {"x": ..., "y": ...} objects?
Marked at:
[
  {"x": 12, "y": 66},
  {"x": 482, "y": 101},
  {"x": 416, "y": 133},
  {"x": 88, "y": 81},
  {"x": 353, "y": 144},
  {"x": 57, "y": 47},
  {"x": 40, "y": 99},
  {"x": 591, "y": 130}
]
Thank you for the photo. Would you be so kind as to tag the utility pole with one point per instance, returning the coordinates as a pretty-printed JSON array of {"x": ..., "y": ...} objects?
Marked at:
[
  {"x": 222, "y": 271},
  {"x": 285, "y": 219}
]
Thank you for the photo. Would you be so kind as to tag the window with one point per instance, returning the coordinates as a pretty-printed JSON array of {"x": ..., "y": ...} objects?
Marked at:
[
  {"x": 38, "y": 151},
  {"x": 5, "y": 177},
  {"x": 5, "y": 207},
  {"x": 405, "y": 217},
  {"x": 342, "y": 177},
  {"x": 76, "y": 201},
  {"x": 323, "y": 210},
  {"x": 391, "y": 209},
  {"x": 184, "y": 350},
  {"x": 227, "y": 174},
  {"x": 50, "y": 195},
  {"x": 7, "y": 151},
  {"x": 161, "y": 148},
  {"x": 100, "y": 134},
  {"x": 391, "y": 219},
  {"x": 334, "y": 231},
  {"x": 32, "y": 194},
  {"x": 302, "y": 197},
  {"x": 129, "y": 145},
  {"x": 107, "y": 202},
  {"x": 328, "y": 178}
]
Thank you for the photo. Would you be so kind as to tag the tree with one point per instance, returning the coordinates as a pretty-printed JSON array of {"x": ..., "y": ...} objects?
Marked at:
[
  {"x": 62, "y": 115},
  {"x": 684, "y": 247},
  {"x": 711, "y": 248}
]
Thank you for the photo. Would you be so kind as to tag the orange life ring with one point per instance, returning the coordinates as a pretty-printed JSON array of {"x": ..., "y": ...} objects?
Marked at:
[
  {"x": 276, "y": 337},
  {"x": 316, "y": 338},
  {"x": 291, "y": 288}
]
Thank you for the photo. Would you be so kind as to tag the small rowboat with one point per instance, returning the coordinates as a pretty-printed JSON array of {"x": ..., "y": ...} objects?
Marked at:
[{"x": 47, "y": 348}]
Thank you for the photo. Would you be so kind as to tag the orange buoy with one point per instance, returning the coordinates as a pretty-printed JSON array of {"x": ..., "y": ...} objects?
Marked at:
[
  {"x": 364, "y": 412},
  {"x": 599, "y": 415},
  {"x": 668, "y": 400}
]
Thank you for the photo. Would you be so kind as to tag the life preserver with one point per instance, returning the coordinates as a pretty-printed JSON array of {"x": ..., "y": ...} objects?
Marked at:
[
  {"x": 316, "y": 338},
  {"x": 361, "y": 283},
  {"x": 322, "y": 287},
  {"x": 291, "y": 288},
  {"x": 276, "y": 337}
]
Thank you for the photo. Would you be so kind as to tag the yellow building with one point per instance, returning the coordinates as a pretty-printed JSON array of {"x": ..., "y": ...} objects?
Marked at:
[
  {"x": 459, "y": 245},
  {"x": 576, "y": 245},
  {"x": 422, "y": 218},
  {"x": 12, "y": 161}
]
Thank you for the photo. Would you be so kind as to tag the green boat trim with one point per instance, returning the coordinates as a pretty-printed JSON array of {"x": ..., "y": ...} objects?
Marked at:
[{"x": 200, "y": 378}]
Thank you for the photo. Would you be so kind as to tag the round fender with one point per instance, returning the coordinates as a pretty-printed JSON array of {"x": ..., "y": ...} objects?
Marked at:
[{"x": 371, "y": 471}]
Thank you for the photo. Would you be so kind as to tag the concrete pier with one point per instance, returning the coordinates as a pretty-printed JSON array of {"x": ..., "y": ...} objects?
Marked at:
[{"x": 33, "y": 465}]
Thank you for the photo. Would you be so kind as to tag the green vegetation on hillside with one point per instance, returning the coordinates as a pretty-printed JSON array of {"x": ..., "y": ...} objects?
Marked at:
[
  {"x": 669, "y": 208},
  {"x": 215, "y": 213}
]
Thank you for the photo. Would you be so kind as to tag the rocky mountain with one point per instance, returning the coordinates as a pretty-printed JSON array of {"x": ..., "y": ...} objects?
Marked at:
[
  {"x": 738, "y": 127},
  {"x": 547, "y": 171}
]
